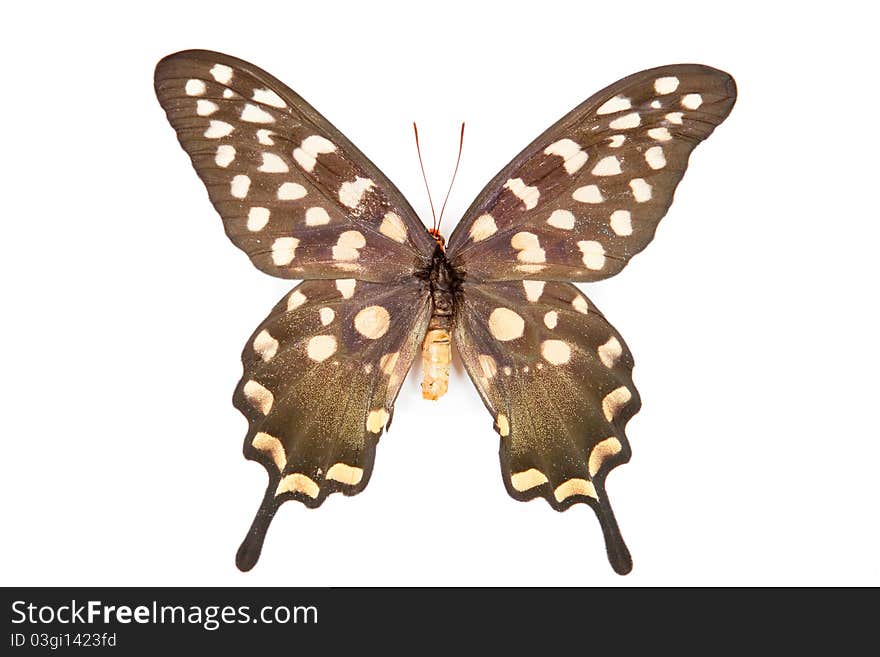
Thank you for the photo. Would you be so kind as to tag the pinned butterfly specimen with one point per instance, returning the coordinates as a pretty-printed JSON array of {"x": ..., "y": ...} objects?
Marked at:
[{"x": 322, "y": 371}]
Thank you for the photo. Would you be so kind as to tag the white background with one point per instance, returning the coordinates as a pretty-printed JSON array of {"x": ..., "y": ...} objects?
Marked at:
[{"x": 752, "y": 316}]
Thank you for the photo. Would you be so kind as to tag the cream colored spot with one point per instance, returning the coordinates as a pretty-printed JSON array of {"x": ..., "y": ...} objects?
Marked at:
[
  {"x": 551, "y": 319},
  {"x": 317, "y": 216},
  {"x": 666, "y": 85},
  {"x": 533, "y": 289},
  {"x": 573, "y": 158},
  {"x": 506, "y": 325},
  {"x": 616, "y": 104},
  {"x": 562, "y": 219},
  {"x": 254, "y": 114},
  {"x": 321, "y": 347},
  {"x": 229, "y": 93},
  {"x": 195, "y": 87},
  {"x": 621, "y": 222},
  {"x": 503, "y": 425},
  {"x": 614, "y": 401},
  {"x": 507, "y": 371},
  {"x": 346, "y": 287},
  {"x": 206, "y": 107},
  {"x": 659, "y": 134},
  {"x": 675, "y": 117},
  {"x": 522, "y": 481},
  {"x": 218, "y": 129},
  {"x": 392, "y": 226},
  {"x": 528, "y": 195},
  {"x": 655, "y": 158},
  {"x": 488, "y": 366},
  {"x": 284, "y": 250},
  {"x": 239, "y": 186},
  {"x": 297, "y": 483},
  {"x": 593, "y": 254},
  {"x": 327, "y": 315},
  {"x": 616, "y": 141},
  {"x": 291, "y": 191},
  {"x": 692, "y": 101},
  {"x": 348, "y": 245},
  {"x": 656, "y": 104},
  {"x": 580, "y": 304},
  {"x": 587, "y": 194},
  {"x": 368, "y": 368},
  {"x": 388, "y": 362},
  {"x": 265, "y": 137},
  {"x": 269, "y": 97},
  {"x": 530, "y": 269},
  {"x": 346, "y": 474},
  {"x": 257, "y": 219},
  {"x": 273, "y": 164},
  {"x": 529, "y": 247},
  {"x": 610, "y": 352},
  {"x": 295, "y": 300},
  {"x": 265, "y": 345},
  {"x": 259, "y": 397},
  {"x": 372, "y": 322},
  {"x": 601, "y": 451},
  {"x": 271, "y": 446},
  {"x": 351, "y": 193},
  {"x": 221, "y": 73},
  {"x": 307, "y": 153},
  {"x": 607, "y": 166},
  {"x": 575, "y": 487},
  {"x": 376, "y": 420},
  {"x": 225, "y": 155},
  {"x": 556, "y": 352},
  {"x": 640, "y": 189},
  {"x": 483, "y": 227},
  {"x": 626, "y": 121}
]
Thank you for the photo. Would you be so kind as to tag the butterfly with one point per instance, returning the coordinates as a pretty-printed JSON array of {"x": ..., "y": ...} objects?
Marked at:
[{"x": 378, "y": 290}]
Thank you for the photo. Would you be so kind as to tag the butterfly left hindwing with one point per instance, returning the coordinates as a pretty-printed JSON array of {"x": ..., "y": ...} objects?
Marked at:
[{"x": 321, "y": 374}]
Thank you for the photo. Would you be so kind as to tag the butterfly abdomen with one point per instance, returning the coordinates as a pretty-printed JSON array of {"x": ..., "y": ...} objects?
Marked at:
[{"x": 444, "y": 282}]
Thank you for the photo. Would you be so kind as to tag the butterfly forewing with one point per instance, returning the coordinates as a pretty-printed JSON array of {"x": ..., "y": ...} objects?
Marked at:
[
  {"x": 588, "y": 194},
  {"x": 293, "y": 192},
  {"x": 557, "y": 379},
  {"x": 320, "y": 377}
]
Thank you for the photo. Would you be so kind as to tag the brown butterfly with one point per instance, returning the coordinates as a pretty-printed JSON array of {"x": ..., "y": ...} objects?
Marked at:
[{"x": 322, "y": 371}]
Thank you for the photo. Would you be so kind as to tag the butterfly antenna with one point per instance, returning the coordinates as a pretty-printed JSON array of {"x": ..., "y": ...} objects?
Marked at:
[
  {"x": 454, "y": 173},
  {"x": 424, "y": 177}
]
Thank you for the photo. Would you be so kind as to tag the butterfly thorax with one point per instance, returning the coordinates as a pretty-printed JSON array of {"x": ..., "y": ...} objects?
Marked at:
[{"x": 445, "y": 284}]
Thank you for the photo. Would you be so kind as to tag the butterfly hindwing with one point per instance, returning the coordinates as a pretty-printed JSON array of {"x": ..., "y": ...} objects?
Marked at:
[
  {"x": 321, "y": 374},
  {"x": 557, "y": 379},
  {"x": 587, "y": 195},
  {"x": 293, "y": 192}
]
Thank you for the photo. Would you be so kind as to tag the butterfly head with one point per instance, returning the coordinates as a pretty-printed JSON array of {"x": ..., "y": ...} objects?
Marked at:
[{"x": 441, "y": 241}]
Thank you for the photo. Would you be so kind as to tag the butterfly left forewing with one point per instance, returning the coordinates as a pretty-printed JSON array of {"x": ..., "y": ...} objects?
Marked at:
[
  {"x": 297, "y": 196},
  {"x": 557, "y": 379},
  {"x": 321, "y": 374},
  {"x": 587, "y": 195}
]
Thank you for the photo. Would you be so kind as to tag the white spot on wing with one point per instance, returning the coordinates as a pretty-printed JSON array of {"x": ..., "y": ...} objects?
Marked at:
[
  {"x": 392, "y": 226},
  {"x": 265, "y": 345},
  {"x": 674, "y": 117},
  {"x": 298, "y": 483},
  {"x": 240, "y": 186},
  {"x": 603, "y": 450},
  {"x": 284, "y": 250},
  {"x": 225, "y": 155},
  {"x": 607, "y": 166},
  {"x": 317, "y": 216},
  {"x": 614, "y": 401},
  {"x": 351, "y": 193},
  {"x": 372, "y": 322},
  {"x": 258, "y": 396},
  {"x": 269, "y": 97},
  {"x": 570, "y": 152},
  {"x": 593, "y": 254},
  {"x": 626, "y": 121},
  {"x": 327, "y": 315},
  {"x": 575, "y": 486},
  {"x": 308, "y": 151},
  {"x": 346, "y": 474},
  {"x": 265, "y": 137},
  {"x": 528, "y": 195},
  {"x": 346, "y": 287},
  {"x": 528, "y": 479},
  {"x": 321, "y": 347},
  {"x": 692, "y": 101},
  {"x": 555, "y": 352},
  {"x": 206, "y": 107},
  {"x": 640, "y": 189},
  {"x": 295, "y": 300},
  {"x": 505, "y": 325},
  {"x": 483, "y": 227},
  {"x": 271, "y": 446},
  {"x": 562, "y": 219},
  {"x": 273, "y": 164},
  {"x": 616, "y": 104},
  {"x": 195, "y": 87},
  {"x": 659, "y": 134},
  {"x": 348, "y": 245},
  {"x": 655, "y": 158},
  {"x": 580, "y": 304},
  {"x": 551, "y": 319},
  {"x": 257, "y": 219},
  {"x": 217, "y": 129},
  {"x": 376, "y": 420},
  {"x": 587, "y": 194},
  {"x": 290, "y": 191},
  {"x": 621, "y": 222},
  {"x": 528, "y": 247},
  {"x": 610, "y": 352},
  {"x": 533, "y": 290},
  {"x": 666, "y": 85},
  {"x": 254, "y": 114},
  {"x": 221, "y": 73}
]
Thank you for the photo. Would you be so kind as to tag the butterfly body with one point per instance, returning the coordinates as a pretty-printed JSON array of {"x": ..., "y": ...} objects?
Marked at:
[{"x": 323, "y": 370}]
